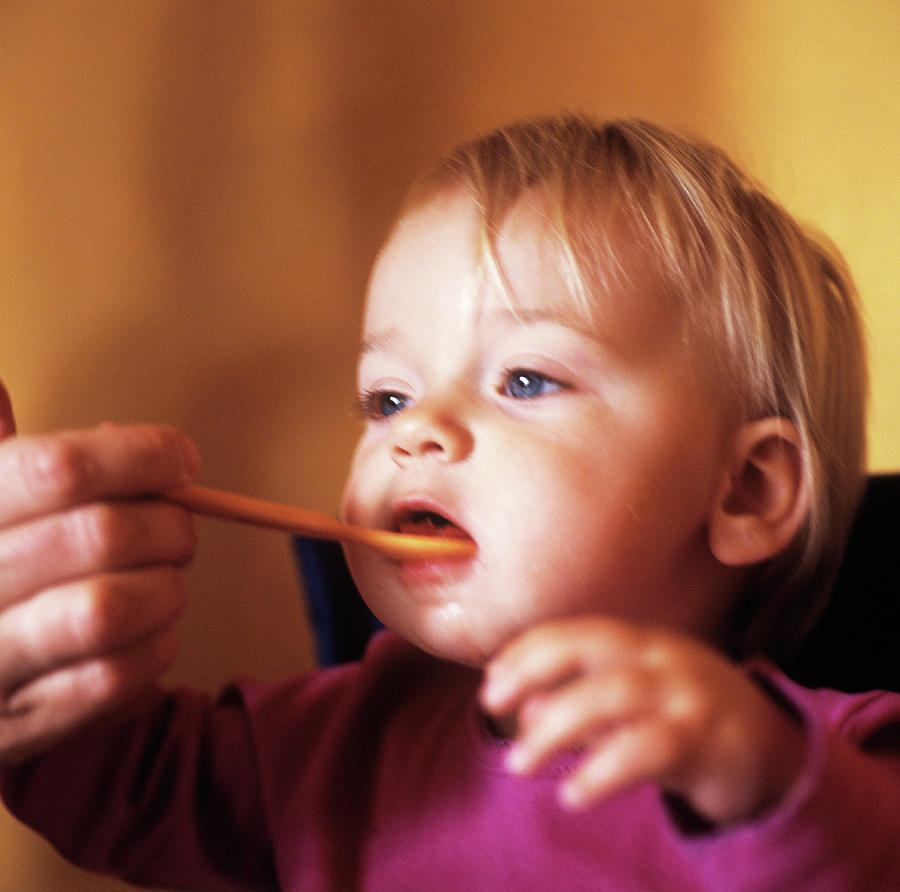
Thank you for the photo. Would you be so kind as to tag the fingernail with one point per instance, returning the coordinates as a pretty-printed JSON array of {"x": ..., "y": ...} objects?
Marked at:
[
  {"x": 487, "y": 692},
  {"x": 518, "y": 759},
  {"x": 572, "y": 796},
  {"x": 190, "y": 459}
]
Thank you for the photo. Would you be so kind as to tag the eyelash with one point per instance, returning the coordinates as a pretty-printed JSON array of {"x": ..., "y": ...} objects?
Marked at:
[
  {"x": 518, "y": 376},
  {"x": 370, "y": 404}
]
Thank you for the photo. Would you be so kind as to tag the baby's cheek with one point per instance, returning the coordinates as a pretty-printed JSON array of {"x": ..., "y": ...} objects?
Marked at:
[
  {"x": 364, "y": 485},
  {"x": 349, "y": 508},
  {"x": 351, "y": 505}
]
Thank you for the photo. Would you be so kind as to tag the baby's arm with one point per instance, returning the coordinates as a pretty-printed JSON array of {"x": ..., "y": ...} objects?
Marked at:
[
  {"x": 89, "y": 582},
  {"x": 645, "y": 705}
]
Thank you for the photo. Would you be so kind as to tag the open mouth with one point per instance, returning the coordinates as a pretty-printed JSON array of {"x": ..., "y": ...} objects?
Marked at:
[{"x": 424, "y": 522}]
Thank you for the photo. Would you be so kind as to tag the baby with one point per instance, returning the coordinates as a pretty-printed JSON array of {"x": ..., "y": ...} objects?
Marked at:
[{"x": 637, "y": 385}]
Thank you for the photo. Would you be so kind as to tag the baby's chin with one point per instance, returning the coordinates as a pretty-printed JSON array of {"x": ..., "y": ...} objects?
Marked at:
[{"x": 447, "y": 635}]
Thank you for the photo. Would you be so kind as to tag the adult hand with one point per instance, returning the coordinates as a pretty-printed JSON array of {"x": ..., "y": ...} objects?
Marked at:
[
  {"x": 644, "y": 705},
  {"x": 90, "y": 586}
]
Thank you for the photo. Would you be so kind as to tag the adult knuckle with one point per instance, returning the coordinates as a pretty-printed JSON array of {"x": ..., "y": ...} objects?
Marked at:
[
  {"x": 97, "y": 532},
  {"x": 96, "y": 615},
  {"x": 183, "y": 533},
  {"x": 116, "y": 535},
  {"x": 58, "y": 467},
  {"x": 102, "y": 683},
  {"x": 158, "y": 446},
  {"x": 116, "y": 610}
]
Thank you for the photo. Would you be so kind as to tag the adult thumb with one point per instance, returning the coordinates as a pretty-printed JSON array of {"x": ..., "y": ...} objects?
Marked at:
[{"x": 7, "y": 419}]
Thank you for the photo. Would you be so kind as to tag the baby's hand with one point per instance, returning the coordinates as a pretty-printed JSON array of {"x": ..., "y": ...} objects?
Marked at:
[
  {"x": 644, "y": 705},
  {"x": 89, "y": 581}
]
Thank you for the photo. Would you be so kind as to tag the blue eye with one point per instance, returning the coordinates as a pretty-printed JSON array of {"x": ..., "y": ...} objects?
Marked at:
[
  {"x": 377, "y": 404},
  {"x": 524, "y": 384}
]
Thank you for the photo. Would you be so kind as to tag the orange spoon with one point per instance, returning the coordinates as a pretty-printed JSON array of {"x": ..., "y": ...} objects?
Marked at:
[{"x": 216, "y": 503}]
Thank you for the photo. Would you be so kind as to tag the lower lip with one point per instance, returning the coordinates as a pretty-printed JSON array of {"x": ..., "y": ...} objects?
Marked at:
[{"x": 436, "y": 569}]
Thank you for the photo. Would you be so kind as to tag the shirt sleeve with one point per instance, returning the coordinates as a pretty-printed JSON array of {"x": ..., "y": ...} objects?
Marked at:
[
  {"x": 165, "y": 793},
  {"x": 838, "y": 827}
]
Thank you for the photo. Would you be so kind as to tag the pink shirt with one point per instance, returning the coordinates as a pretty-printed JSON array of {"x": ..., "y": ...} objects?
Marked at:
[{"x": 382, "y": 775}]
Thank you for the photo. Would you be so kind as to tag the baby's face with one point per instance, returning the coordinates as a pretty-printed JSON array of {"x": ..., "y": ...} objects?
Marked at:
[{"x": 582, "y": 460}]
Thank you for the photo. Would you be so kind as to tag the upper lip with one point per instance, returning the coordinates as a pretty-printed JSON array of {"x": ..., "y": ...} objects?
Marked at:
[{"x": 426, "y": 516}]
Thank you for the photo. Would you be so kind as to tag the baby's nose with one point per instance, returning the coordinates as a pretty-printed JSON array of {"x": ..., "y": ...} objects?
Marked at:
[{"x": 428, "y": 432}]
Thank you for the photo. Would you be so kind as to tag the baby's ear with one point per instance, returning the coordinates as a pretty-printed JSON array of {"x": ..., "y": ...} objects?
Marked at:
[{"x": 764, "y": 496}]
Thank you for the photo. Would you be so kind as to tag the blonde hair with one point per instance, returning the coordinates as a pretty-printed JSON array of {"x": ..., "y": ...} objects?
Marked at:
[{"x": 773, "y": 302}]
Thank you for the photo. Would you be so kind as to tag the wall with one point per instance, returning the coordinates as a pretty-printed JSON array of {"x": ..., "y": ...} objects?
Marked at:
[{"x": 191, "y": 194}]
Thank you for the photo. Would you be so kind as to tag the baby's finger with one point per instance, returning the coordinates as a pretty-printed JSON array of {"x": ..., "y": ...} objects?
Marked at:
[
  {"x": 632, "y": 754},
  {"x": 578, "y": 714},
  {"x": 550, "y": 654},
  {"x": 509, "y": 682},
  {"x": 42, "y": 474}
]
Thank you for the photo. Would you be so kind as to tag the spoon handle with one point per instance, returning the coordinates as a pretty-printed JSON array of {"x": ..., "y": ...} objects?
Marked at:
[{"x": 318, "y": 525}]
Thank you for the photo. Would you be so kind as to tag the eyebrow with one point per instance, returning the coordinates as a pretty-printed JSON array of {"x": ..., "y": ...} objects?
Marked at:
[
  {"x": 382, "y": 340},
  {"x": 379, "y": 341},
  {"x": 562, "y": 316}
]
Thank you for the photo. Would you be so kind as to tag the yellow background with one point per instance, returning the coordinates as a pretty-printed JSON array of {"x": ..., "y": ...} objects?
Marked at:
[{"x": 191, "y": 194}]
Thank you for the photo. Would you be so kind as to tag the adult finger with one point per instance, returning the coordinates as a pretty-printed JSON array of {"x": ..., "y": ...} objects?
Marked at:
[
  {"x": 42, "y": 474},
  {"x": 77, "y": 622},
  {"x": 92, "y": 539},
  {"x": 7, "y": 419},
  {"x": 57, "y": 703}
]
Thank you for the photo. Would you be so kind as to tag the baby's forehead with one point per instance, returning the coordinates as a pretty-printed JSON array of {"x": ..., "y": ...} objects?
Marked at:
[
  {"x": 598, "y": 264},
  {"x": 526, "y": 264},
  {"x": 591, "y": 248}
]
